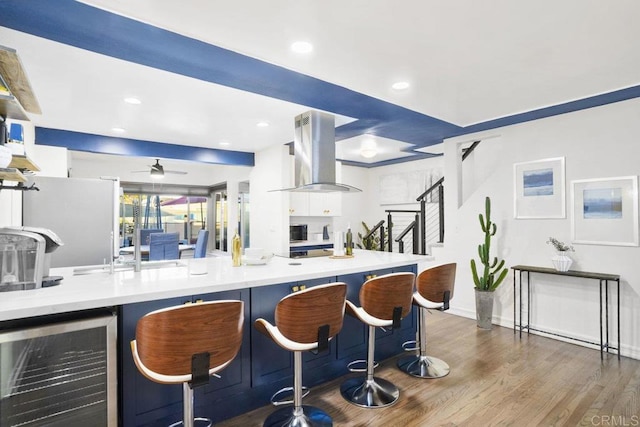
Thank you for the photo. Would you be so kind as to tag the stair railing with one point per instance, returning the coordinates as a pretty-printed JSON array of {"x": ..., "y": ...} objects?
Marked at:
[
  {"x": 435, "y": 191},
  {"x": 413, "y": 227},
  {"x": 379, "y": 226},
  {"x": 390, "y": 213}
]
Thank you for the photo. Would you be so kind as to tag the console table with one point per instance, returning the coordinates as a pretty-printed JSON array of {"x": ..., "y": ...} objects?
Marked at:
[{"x": 602, "y": 278}]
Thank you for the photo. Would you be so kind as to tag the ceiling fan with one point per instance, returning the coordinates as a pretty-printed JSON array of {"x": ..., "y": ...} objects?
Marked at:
[{"x": 157, "y": 171}]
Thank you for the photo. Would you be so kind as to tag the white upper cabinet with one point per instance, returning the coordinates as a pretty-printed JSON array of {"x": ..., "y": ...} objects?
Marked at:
[
  {"x": 315, "y": 204},
  {"x": 298, "y": 204}
]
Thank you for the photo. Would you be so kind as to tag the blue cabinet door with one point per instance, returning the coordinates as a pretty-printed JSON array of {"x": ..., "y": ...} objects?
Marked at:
[
  {"x": 270, "y": 362},
  {"x": 351, "y": 341},
  {"x": 142, "y": 400}
]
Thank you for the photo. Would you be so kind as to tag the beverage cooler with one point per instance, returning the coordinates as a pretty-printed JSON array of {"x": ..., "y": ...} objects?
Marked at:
[{"x": 59, "y": 374}]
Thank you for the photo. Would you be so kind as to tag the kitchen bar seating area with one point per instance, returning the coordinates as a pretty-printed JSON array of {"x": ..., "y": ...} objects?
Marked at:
[{"x": 261, "y": 366}]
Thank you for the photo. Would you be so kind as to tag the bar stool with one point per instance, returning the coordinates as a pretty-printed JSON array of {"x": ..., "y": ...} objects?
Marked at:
[
  {"x": 187, "y": 344},
  {"x": 385, "y": 300},
  {"x": 434, "y": 290},
  {"x": 305, "y": 321}
]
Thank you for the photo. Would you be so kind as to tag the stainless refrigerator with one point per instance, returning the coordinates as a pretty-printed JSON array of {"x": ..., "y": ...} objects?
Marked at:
[{"x": 83, "y": 212}]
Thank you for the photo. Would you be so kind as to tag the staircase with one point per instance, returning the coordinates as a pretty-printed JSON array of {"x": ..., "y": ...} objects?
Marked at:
[{"x": 417, "y": 230}]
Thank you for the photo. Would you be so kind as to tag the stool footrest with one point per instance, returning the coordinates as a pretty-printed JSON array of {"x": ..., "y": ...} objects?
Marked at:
[
  {"x": 198, "y": 420},
  {"x": 353, "y": 368},
  {"x": 278, "y": 394},
  {"x": 415, "y": 345}
]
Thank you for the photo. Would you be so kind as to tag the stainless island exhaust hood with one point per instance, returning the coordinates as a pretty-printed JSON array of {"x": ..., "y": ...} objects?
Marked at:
[{"x": 315, "y": 154}]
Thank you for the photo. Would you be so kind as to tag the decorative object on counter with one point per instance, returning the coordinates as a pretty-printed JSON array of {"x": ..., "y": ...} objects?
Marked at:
[
  {"x": 349, "y": 242},
  {"x": 256, "y": 256},
  {"x": 486, "y": 282},
  {"x": 561, "y": 261},
  {"x": 340, "y": 256},
  {"x": 372, "y": 243},
  {"x": 198, "y": 266},
  {"x": 236, "y": 249},
  {"x": 338, "y": 243}
]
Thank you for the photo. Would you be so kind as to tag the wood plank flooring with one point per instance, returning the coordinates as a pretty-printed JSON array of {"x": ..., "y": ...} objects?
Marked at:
[{"x": 496, "y": 379}]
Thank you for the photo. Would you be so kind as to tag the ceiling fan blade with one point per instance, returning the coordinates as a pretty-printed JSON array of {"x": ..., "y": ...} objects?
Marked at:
[{"x": 176, "y": 172}]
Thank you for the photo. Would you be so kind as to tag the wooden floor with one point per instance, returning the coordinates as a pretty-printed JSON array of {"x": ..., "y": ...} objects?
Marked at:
[{"x": 495, "y": 379}]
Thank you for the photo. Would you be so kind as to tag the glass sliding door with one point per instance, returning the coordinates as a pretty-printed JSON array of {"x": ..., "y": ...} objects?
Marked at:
[
  {"x": 185, "y": 215},
  {"x": 244, "y": 212},
  {"x": 220, "y": 219}
]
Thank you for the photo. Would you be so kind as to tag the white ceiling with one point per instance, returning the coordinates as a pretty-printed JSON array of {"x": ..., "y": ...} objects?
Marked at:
[{"x": 467, "y": 62}]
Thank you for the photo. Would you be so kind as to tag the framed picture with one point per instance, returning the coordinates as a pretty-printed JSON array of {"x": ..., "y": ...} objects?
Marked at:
[
  {"x": 605, "y": 211},
  {"x": 539, "y": 189}
]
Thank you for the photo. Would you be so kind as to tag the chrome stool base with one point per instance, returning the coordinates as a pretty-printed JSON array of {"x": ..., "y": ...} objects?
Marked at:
[
  {"x": 197, "y": 422},
  {"x": 310, "y": 417},
  {"x": 423, "y": 366},
  {"x": 375, "y": 393}
]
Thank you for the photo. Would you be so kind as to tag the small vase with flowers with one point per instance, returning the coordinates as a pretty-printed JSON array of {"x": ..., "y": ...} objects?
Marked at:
[{"x": 561, "y": 261}]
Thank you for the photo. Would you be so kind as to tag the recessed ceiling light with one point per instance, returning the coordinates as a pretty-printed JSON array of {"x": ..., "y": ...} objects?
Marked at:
[
  {"x": 132, "y": 100},
  {"x": 118, "y": 130},
  {"x": 224, "y": 143},
  {"x": 400, "y": 85},
  {"x": 368, "y": 148},
  {"x": 301, "y": 47},
  {"x": 262, "y": 124}
]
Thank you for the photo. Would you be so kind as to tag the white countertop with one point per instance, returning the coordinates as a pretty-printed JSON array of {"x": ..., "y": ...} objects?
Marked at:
[{"x": 96, "y": 290}]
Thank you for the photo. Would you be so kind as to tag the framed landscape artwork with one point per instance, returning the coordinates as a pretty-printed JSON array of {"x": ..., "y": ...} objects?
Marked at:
[
  {"x": 605, "y": 211},
  {"x": 539, "y": 189}
]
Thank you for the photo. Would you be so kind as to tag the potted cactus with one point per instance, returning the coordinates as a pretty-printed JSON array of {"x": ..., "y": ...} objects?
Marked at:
[{"x": 491, "y": 273}]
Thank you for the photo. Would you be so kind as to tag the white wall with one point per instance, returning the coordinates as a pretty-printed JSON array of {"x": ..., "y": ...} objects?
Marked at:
[
  {"x": 352, "y": 203},
  {"x": 596, "y": 143},
  {"x": 269, "y": 228}
]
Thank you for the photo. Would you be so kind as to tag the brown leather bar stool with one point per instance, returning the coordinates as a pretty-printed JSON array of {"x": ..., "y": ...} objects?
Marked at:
[
  {"x": 305, "y": 321},
  {"x": 187, "y": 344},
  {"x": 385, "y": 300},
  {"x": 434, "y": 290}
]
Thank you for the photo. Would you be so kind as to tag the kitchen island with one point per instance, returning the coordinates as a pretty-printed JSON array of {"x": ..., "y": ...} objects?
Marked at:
[{"x": 260, "y": 369}]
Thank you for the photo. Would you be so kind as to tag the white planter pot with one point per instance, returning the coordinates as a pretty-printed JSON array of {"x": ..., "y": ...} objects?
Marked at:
[{"x": 561, "y": 261}]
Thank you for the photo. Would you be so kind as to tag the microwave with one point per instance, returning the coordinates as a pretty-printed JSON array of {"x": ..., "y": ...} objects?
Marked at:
[{"x": 297, "y": 232}]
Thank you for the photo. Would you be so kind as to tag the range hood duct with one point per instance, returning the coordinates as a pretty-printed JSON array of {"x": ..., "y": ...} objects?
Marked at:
[{"x": 314, "y": 147}]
